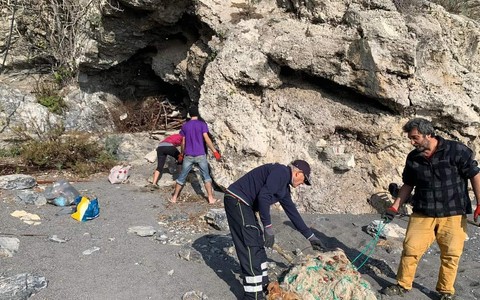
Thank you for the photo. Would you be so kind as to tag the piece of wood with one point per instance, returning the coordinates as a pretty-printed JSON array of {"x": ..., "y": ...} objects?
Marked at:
[
  {"x": 282, "y": 253},
  {"x": 23, "y": 234},
  {"x": 49, "y": 181}
]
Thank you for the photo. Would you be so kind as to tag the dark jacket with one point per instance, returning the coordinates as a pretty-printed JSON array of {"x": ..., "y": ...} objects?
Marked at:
[
  {"x": 264, "y": 186},
  {"x": 441, "y": 182}
]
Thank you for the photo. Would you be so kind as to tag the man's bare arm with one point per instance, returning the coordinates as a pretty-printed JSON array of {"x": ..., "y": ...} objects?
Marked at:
[
  {"x": 403, "y": 195},
  {"x": 209, "y": 142},
  {"x": 475, "y": 181}
]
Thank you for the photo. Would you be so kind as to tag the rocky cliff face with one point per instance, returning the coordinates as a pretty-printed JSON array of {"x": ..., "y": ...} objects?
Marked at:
[{"x": 331, "y": 82}]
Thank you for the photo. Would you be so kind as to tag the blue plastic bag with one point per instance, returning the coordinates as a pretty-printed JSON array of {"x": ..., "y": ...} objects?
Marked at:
[{"x": 86, "y": 209}]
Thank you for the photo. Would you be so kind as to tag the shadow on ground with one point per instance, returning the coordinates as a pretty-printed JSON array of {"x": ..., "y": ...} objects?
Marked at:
[{"x": 214, "y": 251}]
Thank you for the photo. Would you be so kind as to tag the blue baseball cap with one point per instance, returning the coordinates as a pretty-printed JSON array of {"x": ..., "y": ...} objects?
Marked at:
[{"x": 305, "y": 168}]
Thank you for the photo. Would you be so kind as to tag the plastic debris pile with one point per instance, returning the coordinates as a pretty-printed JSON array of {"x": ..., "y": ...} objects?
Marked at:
[{"x": 326, "y": 276}]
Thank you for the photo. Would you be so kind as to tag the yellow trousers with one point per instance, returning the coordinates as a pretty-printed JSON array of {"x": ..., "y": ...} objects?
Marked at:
[{"x": 450, "y": 233}]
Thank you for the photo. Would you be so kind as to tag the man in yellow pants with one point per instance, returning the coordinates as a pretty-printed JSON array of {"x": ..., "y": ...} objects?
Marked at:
[{"x": 439, "y": 171}]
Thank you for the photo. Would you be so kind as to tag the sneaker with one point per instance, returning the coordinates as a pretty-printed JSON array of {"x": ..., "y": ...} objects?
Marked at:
[
  {"x": 447, "y": 296},
  {"x": 394, "y": 290}
]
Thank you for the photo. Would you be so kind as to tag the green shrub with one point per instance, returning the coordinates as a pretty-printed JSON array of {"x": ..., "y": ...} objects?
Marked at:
[
  {"x": 48, "y": 95},
  {"x": 10, "y": 152},
  {"x": 77, "y": 153},
  {"x": 54, "y": 103},
  {"x": 63, "y": 76}
]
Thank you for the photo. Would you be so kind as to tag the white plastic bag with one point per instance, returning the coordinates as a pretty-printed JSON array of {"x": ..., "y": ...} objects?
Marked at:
[
  {"x": 119, "y": 174},
  {"x": 61, "y": 193}
]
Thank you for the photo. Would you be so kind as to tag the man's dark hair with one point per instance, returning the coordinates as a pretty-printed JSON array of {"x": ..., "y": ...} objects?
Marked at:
[
  {"x": 423, "y": 126},
  {"x": 193, "y": 111}
]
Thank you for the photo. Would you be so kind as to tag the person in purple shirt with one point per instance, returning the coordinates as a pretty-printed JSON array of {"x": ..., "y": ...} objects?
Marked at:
[
  {"x": 193, "y": 152},
  {"x": 255, "y": 192}
]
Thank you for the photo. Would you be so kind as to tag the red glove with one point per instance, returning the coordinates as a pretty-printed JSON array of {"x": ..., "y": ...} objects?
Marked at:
[
  {"x": 217, "y": 155},
  {"x": 180, "y": 158},
  {"x": 389, "y": 214},
  {"x": 476, "y": 213}
]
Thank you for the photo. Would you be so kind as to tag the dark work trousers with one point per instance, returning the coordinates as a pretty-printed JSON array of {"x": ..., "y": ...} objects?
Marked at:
[
  {"x": 162, "y": 152},
  {"x": 247, "y": 237}
]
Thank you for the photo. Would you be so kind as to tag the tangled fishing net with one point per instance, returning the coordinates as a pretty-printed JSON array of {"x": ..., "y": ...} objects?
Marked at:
[{"x": 323, "y": 276}]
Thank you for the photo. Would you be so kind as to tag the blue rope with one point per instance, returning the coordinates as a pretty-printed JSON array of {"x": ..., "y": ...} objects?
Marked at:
[{"x": 370, "y": 247}]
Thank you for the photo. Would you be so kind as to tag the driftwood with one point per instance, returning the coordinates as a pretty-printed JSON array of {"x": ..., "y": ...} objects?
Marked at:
[
  {"x": 50, "y": 181},
  {"x": 23, "y": 234},
  {"x": 151, "y": 115},
  {"x": 284, "y": 254}
]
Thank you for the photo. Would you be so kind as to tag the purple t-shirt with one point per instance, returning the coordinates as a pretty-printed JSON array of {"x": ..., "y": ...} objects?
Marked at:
[{"x": 193, "y": 132}]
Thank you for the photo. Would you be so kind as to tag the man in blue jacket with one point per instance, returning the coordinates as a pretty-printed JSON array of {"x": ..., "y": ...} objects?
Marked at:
[{"x": 255, "y": 192}]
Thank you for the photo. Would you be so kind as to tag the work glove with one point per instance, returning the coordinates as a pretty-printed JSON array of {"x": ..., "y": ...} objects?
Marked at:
[
  {"x": 269, "y": 237},
  {"x": 476, "y": 213},
  {"x": 390, "y": 214},
  {"x": 316, "y": 243},
  {"x": 180, "y": 159},
  {"x": 217, "y": 155}
]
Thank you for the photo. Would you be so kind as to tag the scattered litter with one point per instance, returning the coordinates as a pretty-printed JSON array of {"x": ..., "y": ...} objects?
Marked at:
[
  {"x": 391, "y": 230},
  {"x": 61, "y": 193},
  {"x": 8, "y": 246},
  {"x": 119, "y": 174},
  {"x": 86, "y": 209},
  {"x": 30, "y": 219},
  {"x": 55, "y": 238},
  {"x": 194, "y": 295},
  {"x": 90, "y": 251}
]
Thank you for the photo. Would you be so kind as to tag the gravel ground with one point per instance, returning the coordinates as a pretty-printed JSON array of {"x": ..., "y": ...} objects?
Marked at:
[{"x": 128, "y": 266}]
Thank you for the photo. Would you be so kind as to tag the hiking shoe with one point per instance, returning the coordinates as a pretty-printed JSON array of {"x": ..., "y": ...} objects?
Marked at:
[
  {"x": 394, "y": 290},
  {"x": 447, "y": 296}
]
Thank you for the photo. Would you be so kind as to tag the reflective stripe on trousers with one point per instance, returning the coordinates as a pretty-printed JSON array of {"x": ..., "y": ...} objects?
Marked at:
[{"x": 248, "y": 240}]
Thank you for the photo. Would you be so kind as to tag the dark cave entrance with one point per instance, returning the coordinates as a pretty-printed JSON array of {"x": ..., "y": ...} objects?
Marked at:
[{"x": 149, "y": 103}]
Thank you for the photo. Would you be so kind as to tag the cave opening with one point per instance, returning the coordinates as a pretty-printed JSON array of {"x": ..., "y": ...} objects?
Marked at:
[{"x": 149, "y": 103}]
